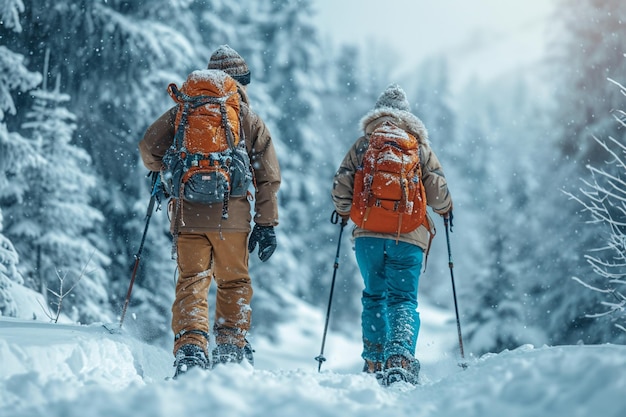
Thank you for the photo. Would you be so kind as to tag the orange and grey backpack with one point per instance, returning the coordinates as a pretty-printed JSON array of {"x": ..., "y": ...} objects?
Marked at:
[
  {"x": 207, "y": 161},
  {"x": 389, "y": 195}
]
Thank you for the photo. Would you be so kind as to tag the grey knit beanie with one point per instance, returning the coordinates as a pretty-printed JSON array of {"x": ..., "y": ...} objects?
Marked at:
[
  {"x": 228, "y": 60},
  {"x": 393, "y": 97}
]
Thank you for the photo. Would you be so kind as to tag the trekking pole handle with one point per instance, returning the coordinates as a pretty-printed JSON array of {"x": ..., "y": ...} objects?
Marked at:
[{"x": 334, "y": 218}]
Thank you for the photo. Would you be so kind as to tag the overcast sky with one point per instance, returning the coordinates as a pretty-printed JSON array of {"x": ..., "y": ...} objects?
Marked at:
[{"x": 496, "y": 33}]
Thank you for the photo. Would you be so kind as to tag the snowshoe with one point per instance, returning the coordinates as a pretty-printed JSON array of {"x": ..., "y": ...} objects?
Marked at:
[
  {"x": 187, "y": 357},
  {"x": 400, "y": 368},
  {"x": 231, "y": 353}
]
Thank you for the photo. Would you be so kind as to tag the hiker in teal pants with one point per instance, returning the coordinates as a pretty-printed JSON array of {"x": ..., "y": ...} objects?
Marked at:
[{"x": 390, "y": 263}]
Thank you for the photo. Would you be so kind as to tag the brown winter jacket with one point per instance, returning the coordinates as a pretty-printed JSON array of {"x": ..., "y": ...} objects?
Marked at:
[
  {"x": 208, "y": 218},
  {"x": 437, "y": 194}
]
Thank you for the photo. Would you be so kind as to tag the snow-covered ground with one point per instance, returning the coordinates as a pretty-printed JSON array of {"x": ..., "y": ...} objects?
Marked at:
[{"x": 70, "y": 370}]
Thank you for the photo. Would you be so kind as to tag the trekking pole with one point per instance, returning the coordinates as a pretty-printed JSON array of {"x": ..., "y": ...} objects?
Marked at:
[
  {"x": 456, "y": 306},
  {"x": 153, "y": 197},
  {"x": 334, "y": 219}
]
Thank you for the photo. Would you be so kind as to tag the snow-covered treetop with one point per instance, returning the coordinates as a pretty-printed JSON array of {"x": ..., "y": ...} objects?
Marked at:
[{"x": 9, "y": 14}]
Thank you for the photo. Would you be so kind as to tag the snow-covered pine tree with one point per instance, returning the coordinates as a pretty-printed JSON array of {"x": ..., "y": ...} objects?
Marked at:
[
  {"x": 115, "y": 66},
  {"x": 52, "y": 222},
  {"x": 500, "y": 136},
  {"x": 14, "y": 155},
  {"x": 312, "y": 141}
]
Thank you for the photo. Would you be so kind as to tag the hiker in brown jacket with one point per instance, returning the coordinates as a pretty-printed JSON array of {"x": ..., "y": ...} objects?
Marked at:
[
  {"x": 391, "y": 263},
  {"x": 212, "y": 247}
]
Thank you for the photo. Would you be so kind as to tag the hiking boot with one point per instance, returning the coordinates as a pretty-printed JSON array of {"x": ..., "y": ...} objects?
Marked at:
[
  {"x": 401, "y": 368},
  {"x": 373, "y": 367},
  {"x": 189, "y": 356},
  {"x": 231, "y": 353}
]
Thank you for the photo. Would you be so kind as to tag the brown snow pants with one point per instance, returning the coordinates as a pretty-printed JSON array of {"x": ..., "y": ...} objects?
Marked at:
[{"x": 201, "y": 257}]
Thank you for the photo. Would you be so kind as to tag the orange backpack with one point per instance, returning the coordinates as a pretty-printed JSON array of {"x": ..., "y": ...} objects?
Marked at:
[
  {"x": 389, "y": 196},
  {"x": 207, "y": 161}
]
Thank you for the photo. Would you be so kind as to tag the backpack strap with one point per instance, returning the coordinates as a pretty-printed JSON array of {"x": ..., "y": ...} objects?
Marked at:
[{"x": 180, "y": 130}]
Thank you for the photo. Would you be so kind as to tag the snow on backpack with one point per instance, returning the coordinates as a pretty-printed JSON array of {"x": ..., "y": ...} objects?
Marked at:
[
  {"x": 207, "y": 161},
  {"x": 389, "y": 196}
]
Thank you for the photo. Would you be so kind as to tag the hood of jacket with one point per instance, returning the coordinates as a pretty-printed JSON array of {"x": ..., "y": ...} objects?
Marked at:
[{"x": 401, "y": 118}]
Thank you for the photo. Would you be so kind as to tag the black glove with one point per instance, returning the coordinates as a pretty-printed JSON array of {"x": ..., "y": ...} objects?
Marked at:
[{"x": 266, "y": 238}]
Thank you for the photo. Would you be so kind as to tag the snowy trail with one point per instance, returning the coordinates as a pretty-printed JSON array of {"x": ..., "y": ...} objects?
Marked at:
[{"x": 66, "y": 370}]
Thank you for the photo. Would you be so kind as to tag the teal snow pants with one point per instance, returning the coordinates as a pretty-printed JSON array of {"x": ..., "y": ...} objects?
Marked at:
[{"x": 390, "y": 321}]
